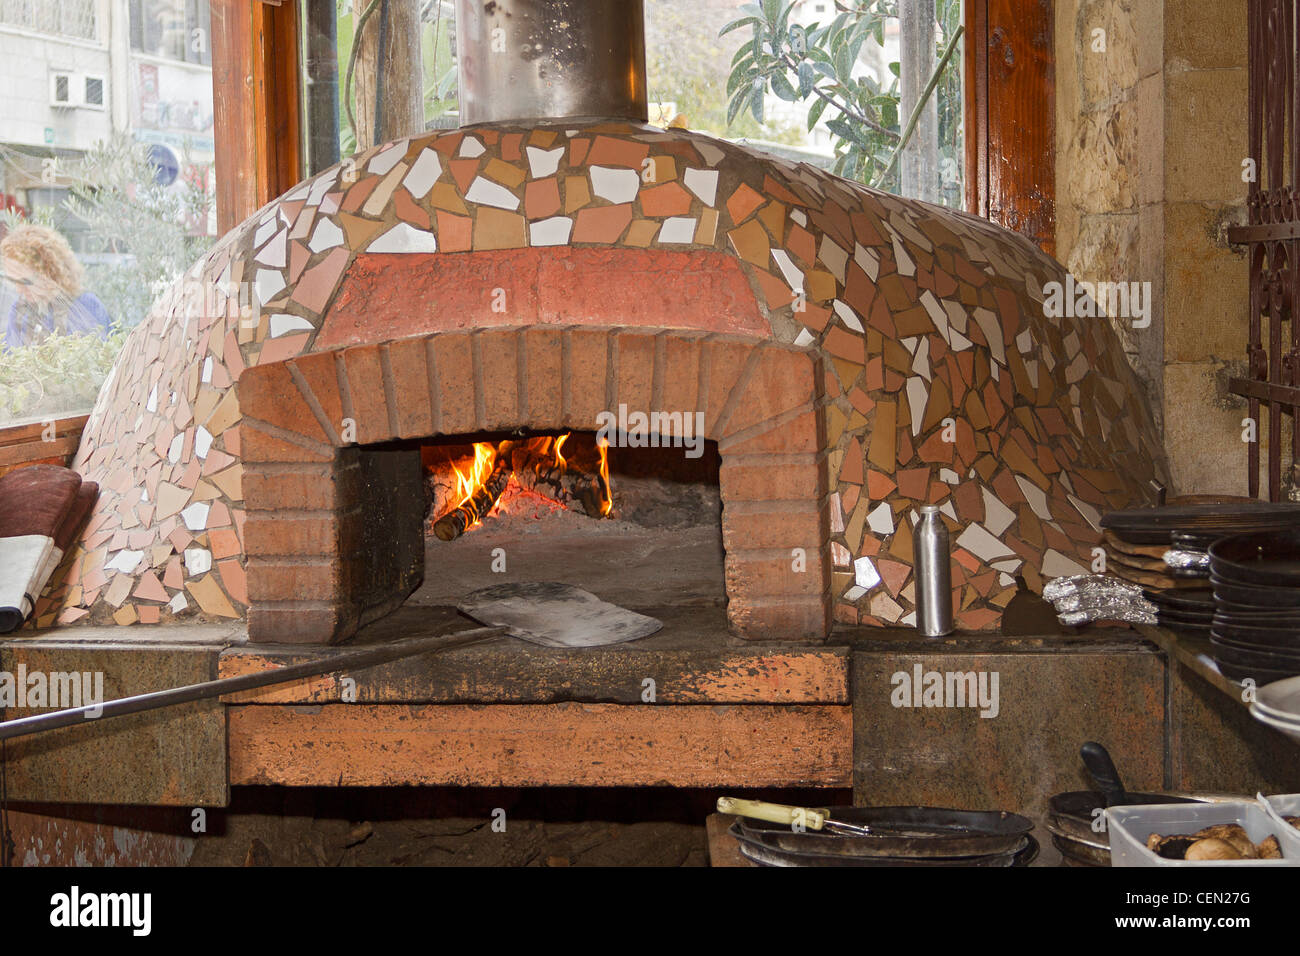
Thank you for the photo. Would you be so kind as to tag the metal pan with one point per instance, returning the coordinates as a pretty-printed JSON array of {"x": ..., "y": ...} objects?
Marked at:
[
  {"x": 1073, "y": 812},
  {"x": 1270, "y": 558},
  {"x": 1251, "y": 596},
  {"x": 1024, "y": 853},
  {"x": 1281, "y": 638},
  {"x": 903, "y": 832}
]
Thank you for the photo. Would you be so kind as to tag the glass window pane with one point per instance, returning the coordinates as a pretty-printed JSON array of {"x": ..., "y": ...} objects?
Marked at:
[{"x": 106, "y": 186}]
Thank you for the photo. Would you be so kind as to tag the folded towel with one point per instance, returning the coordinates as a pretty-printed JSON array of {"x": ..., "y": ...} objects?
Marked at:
[{"x": 41, "y": 508}]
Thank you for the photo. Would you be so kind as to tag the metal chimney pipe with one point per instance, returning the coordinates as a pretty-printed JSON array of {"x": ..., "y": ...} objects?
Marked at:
[{"x": 539, "y": 60}]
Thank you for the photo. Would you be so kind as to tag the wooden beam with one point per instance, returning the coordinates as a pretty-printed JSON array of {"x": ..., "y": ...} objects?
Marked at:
[
  {"x": 256, "y": 102},
  {"x": 512, "y": 745},
  {"x": 1010, "y": 116}
]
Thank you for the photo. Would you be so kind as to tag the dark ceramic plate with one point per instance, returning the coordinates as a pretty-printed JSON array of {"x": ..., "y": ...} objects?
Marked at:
[{"x": 1263, "y": 558}]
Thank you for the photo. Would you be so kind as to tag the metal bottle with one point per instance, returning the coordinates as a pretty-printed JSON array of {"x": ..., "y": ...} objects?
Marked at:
[{"x": 933, "y": 573}]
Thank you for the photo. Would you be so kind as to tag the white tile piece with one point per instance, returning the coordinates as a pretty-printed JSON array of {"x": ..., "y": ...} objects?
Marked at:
[
  {"x": 471, "y": 147},
  {"x": 865, "y": 574},
  {"x": 327, "y": 236},
  {"x": 847, "y": 315},
  {"x": 151, "y": 403},
  {"x": 125, "y": 561},
  {"x": 983, "y": 545},
  {"x": 423, "y": 174},
  {"x": 196, "y": 516},
  {"x": 793, "y": 277},
  {"x": 958, "y": 342},
  {"x": 948, "y": 476},
  {"x": 677, "y": 229},
  {"x": 997, "y": 516},
  {"x": 854, "y": 593},
  {"x": 837, "y": 514},
  {"x": 1031, "y": 370},
  {"x": 273, "y": 252},
  {"x": 197, "y": 561},
  {"x": 544, "y": 162},
  {"x": 947, "y": 509},
  {"x": 711, "y": 153},
  {"x": 885, "y": 608},
  {"x": 936, "y": 312},
  {"x": 202, "y": 442},
  {"x": 704, "y": 183},
  {"x": 264, "y": 232},
  {"x": 906, "y": 267},
  {"x": 1024, "y": 342},
  {"x": 917, "y": 397},
  {"x": 957, "y": 316},
  {"x": 1090, "y": 514},
  {"x": 867, "y": 260},
  {"x": 1009, "y": 566},
  {"x": 282, "y": 323},
  {"x": 383, "y": 162},
  {"x": 319, "y": 188},
  {"x": 550, "y": 232},
  {"x": 616, "y": 185},
  {"x": 206, "y": 375},
  {"x": 909, "y": 343},
  {"x": 487, "y": 193},
  {"x": 804, "y": 338},
  {"x": 840, "y": 556},
  {"x": 404, "y": 238},
  {"x": 174, "y": 449},
  {"x": 881, "y": 519},
  {"x": 799, "y": 216},
  {"x": 834, "y": 258},
  {"x": 992, "y": 329},
  {"x": 178, "y": 603},
  {"x": 1057, "y": 565},
  {"x": 1036, "y": 497},
  {"x": 921, "y": 360},
  {"x": 269, "y": 283}
]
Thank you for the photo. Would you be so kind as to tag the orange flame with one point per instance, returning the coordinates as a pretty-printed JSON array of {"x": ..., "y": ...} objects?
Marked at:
[
  {"x": 473, "y": 477},
  {"x": 607, "y": 500}
]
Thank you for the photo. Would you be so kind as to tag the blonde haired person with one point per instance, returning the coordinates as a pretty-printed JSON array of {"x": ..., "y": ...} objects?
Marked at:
[{"x": 38, "y": 264}]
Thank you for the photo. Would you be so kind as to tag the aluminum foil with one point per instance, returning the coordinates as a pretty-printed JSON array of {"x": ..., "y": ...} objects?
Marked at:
[
  {"x": 1126, "y": 613},
  {"x": 1187, "y": 560},
  {"x": 1083, "y": 598}
]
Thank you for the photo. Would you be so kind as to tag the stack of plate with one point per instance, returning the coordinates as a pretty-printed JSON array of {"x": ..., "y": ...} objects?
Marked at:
[
  {"x": 1256, "y": 581},
  {"x": 1278, "y": 706},
  {"x": 1165, "y": 549}
]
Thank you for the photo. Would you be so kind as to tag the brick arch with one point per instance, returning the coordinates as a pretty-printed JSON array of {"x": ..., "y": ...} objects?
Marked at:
[{"x": 303, "y": 483}]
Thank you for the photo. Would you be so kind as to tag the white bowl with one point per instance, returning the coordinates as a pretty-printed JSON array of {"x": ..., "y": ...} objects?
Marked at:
[{"x": 1280, "y": 699}]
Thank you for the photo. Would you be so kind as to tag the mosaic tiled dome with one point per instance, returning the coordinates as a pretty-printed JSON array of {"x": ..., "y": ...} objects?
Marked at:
[{"x": 943, "y": 380}]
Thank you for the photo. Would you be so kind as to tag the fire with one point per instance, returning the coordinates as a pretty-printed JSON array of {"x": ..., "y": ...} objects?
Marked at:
[
  {"x": 607, "y": 498},
  {"x": 472, "y": 489}
]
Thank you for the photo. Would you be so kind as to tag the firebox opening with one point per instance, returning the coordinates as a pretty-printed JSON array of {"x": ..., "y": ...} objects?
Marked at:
[{"x": 636, "y": 526}]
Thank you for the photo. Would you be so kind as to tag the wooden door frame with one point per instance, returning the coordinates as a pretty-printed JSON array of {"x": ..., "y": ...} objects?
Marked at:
[
  {"x": 1010, "y": 115},
  {"x": 257, "y": 97}
]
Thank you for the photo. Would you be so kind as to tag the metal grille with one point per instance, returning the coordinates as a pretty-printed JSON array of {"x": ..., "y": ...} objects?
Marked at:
[
  {"x": 1272, "y": 382},
  {"x": 68, "y": 18}
]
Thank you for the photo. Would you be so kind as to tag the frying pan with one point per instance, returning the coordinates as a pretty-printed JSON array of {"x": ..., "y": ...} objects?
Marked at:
[
  {"x": 1259, "y": 558},
  {"x": 1260, "y": 633},
  {"x": 901, "y": 833},
  {"x": 765, "y": 855}
]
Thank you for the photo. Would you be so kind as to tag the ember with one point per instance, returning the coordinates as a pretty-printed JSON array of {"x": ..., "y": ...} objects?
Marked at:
[{"x": 469, "y": 483}]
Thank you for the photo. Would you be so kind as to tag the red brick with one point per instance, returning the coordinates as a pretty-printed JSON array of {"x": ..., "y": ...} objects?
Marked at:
[
  {"x": 273, "y": 580},
  {"x": 797, "y": 435},
  {"x": 635, "y": 373},
  {"x": 320, "y": 373},
  {"x": 280, "y": 535},
  {"x": 775, "y": 529},
  {"x": 298, "y": 625},
  {"x": 586, "y": 380},
  {"x": 268, "y": 393},
  {"x": 454, "y": 365},
  {"x": 411, "y": 378},
  {"x": 544, "y": 357},
  {"x": 257, "y": 445},
  {"x": 312, "y": 491},
  {"x": 779, "y": 382},
  {"x": 757, "y": 480},
  {"x": 499, "y": 354},
  {"x": 366, "y": 387},
  {"x": 681, "y": 372},
  {"x": 726, "y": 360},
  {"x": 773, "y": 577},
  {"x": 786, "y": 619}
]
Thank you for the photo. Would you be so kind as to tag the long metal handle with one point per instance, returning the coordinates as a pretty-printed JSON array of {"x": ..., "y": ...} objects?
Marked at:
[{"x": 350, "y": 660}]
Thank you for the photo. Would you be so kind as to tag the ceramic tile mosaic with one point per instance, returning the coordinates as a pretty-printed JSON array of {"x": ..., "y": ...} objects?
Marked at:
[{"x": 1023, "y": 428}]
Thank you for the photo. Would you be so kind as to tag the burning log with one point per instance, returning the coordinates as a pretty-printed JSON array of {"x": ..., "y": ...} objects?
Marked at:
[{"x": 471, "y": 511}]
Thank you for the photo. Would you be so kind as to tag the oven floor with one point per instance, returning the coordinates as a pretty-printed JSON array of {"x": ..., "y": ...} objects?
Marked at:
[{"x": 617, "y": 561}]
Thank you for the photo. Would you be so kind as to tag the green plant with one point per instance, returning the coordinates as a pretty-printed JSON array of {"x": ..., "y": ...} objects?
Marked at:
[
  {"x": 819, "y": 63},
  {"x": 59, "y": 375}
]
